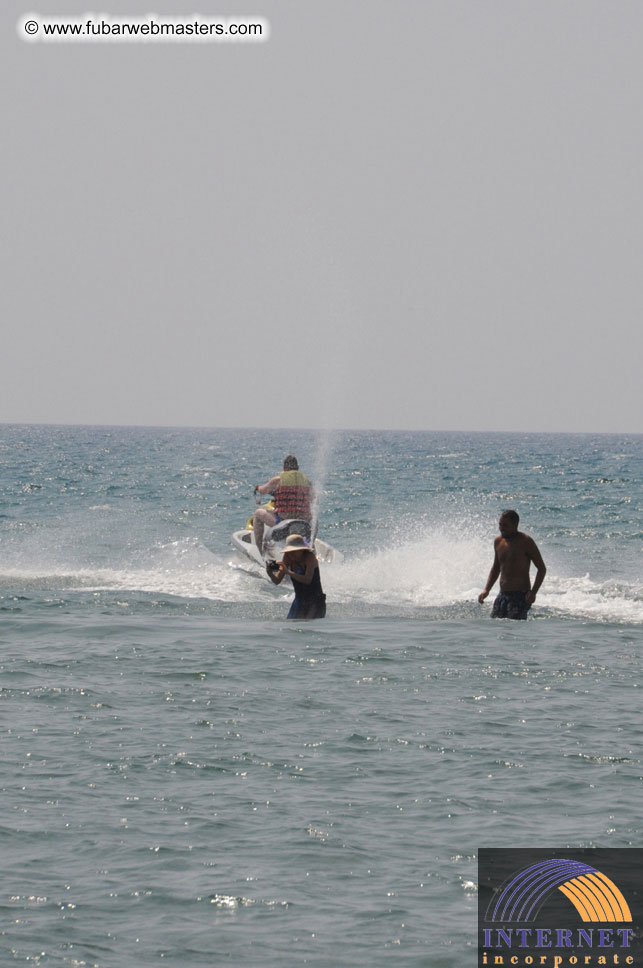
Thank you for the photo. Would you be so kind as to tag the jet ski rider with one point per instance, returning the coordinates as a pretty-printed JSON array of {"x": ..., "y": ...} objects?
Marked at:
[{"x": 293, "y": 494}]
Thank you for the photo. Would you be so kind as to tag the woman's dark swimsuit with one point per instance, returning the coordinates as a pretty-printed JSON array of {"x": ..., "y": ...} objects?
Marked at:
[
  {"x": 310, "y": 601},
  {"x": 510, "y": 605}
]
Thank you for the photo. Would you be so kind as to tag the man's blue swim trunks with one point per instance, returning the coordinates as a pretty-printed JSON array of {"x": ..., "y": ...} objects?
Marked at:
[{"x": 510, "y": 605}]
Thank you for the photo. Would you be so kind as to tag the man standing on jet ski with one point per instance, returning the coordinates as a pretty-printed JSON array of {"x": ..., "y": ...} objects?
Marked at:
[{"x": 293, "y": 494}]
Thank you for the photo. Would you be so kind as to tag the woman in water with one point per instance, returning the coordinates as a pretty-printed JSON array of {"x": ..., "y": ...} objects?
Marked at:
[{"x": 300, "y": 563}]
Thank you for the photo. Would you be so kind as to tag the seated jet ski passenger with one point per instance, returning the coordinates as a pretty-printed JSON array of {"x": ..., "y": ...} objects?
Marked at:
[{"x": 293, "y": 494}]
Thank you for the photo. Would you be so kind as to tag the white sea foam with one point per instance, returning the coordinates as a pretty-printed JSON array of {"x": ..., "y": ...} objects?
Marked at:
[
  {"x": 615, "y": 601},
  {"x": 440, "y": 569},
  {"x": 437, "y": 569}
]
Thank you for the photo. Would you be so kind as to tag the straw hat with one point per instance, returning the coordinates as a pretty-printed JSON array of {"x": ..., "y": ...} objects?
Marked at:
[{"x": 295, "y": 542}]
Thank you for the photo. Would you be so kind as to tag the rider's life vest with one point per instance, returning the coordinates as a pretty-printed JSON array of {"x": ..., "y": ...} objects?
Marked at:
[{"x": 292, "y": 497}]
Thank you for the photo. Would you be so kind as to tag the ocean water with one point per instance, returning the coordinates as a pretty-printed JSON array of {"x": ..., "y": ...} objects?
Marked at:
[{"x": 188, "y": 779}]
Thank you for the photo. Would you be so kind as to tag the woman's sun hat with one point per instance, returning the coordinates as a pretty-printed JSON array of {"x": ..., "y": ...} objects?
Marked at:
[{"x": 295, "y": 542}]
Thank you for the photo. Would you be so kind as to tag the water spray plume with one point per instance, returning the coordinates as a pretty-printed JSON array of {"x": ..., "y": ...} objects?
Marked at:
[{"x": 325, "y": 441}]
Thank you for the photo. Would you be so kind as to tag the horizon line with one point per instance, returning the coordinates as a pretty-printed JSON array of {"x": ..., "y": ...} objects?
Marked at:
[{"x": 341, "y": 430}]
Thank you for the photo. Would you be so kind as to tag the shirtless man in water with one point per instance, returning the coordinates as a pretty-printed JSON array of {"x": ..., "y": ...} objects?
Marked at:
[{"x": 513, "y": 554}]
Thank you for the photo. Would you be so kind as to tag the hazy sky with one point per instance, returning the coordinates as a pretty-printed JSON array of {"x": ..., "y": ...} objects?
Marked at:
[{"x": 392, "y": 214}]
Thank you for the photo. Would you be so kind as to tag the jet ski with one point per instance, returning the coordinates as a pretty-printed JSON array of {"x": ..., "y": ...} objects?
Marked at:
[{"x": 274, "y": 540}]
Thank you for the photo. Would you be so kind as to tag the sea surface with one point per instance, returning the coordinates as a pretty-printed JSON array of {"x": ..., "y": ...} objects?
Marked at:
[{"x": 189, "y": 779}]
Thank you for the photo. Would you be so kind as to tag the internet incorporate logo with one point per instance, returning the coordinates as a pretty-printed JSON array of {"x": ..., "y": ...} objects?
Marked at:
[
  {"x": 595, "y": 896},
  {"x": 544, "y": 908}
]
